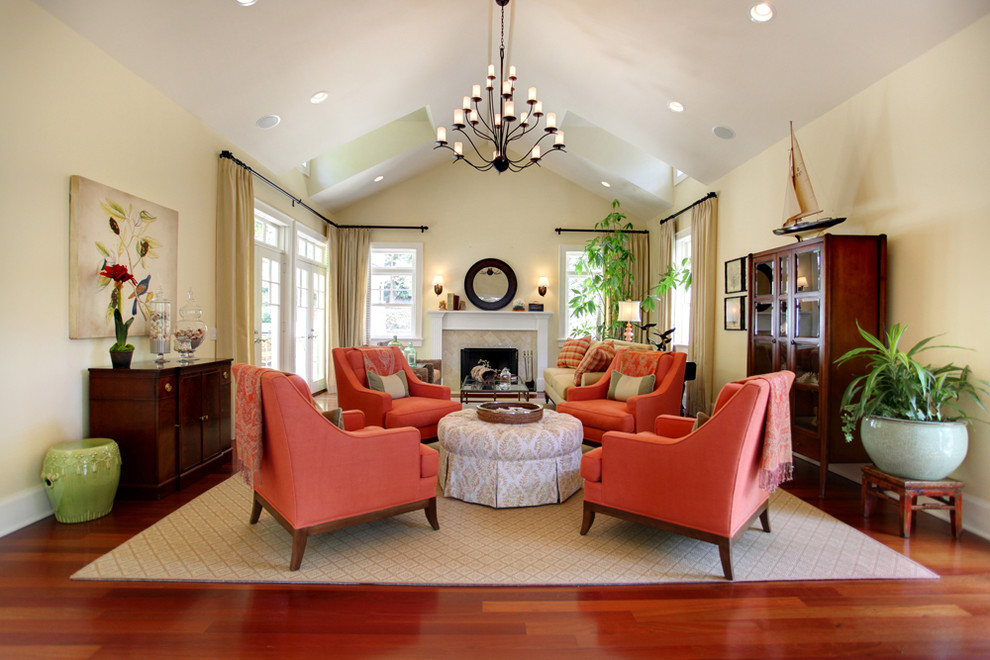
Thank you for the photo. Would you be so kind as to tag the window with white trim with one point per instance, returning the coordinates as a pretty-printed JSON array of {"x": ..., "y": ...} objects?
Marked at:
[
  {"x": 395, "y": 296},
  {"x": 681, "y": 296},
  {"x": 569, "y": 280}
]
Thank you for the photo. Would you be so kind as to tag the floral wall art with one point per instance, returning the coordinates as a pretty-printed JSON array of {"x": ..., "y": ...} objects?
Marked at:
[{"x": 110, "y": 230}]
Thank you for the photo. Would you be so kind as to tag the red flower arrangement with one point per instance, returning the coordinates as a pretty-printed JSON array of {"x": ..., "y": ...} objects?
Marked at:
[{"x": 119, "y": 274}]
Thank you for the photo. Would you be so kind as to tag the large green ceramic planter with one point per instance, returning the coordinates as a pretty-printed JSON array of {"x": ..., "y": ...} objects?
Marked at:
[{"x": 926, "y": 451}]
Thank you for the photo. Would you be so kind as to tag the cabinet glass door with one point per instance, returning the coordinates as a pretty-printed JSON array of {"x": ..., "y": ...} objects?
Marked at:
[
  {"x": 809, "y": 271},
  {"x": 763, "y": 291}
]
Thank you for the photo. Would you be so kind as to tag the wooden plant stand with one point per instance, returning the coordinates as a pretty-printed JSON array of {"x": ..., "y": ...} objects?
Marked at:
[{"x": 946, "y": 495}]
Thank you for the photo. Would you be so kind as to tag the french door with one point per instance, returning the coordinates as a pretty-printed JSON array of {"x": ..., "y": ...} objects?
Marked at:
[
  {"x": 290, "y": 297},
  {"x": 269, "y": 322},
  {"x": 311, "y": 324}
]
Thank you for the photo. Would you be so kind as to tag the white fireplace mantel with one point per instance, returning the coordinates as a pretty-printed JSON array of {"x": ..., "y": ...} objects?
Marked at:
[{"x": 538, "y": 322}]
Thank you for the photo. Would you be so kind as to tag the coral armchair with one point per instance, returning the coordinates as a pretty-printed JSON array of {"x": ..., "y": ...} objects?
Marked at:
[
  {"x": 702, "y": 483},
  {"x": 316, "y": 477},
  {"x": 600, "y": 414},
  {"x": 423, "y": 408}
]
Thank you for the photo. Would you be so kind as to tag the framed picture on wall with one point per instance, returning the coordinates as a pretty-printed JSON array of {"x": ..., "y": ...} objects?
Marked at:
[
  {"x": 735, "y": 313},
  {"x": 735, "y": 275}
]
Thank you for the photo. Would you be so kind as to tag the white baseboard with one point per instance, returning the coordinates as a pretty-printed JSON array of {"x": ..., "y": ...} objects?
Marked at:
[{"x": 24, "y": 508}]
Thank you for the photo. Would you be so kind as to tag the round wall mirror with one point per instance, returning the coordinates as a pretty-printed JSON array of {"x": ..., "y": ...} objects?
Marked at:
[{"x": 490, "y": 284}]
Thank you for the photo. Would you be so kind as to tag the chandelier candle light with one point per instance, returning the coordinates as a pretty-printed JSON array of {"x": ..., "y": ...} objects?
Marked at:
[{"x": 500, "y": 125}]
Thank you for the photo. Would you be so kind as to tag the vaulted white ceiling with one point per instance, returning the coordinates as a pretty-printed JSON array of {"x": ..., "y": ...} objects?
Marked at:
[{"x": 396, "y": 69}]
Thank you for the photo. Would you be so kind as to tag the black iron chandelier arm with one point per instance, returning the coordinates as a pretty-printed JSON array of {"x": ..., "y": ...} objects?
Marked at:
[{"x": 471, "y": 142}]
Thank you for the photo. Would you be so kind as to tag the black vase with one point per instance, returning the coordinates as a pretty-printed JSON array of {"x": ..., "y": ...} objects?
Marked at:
[{"x": 121, "y": 359}]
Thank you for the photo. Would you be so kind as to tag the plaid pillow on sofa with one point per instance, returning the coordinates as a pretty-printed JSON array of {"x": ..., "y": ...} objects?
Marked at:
[
  {"x": 596, "y": 359},
  {"x": 572, "y": 351}
]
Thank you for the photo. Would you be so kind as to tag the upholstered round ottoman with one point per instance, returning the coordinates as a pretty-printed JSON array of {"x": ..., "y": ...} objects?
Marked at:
[
  {"x": 81, "y": 478},
  {"x": 510, "y": 465}
]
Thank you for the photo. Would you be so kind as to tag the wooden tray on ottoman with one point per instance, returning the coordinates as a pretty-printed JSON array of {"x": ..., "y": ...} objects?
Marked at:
[{"x": 510, "y": 413}]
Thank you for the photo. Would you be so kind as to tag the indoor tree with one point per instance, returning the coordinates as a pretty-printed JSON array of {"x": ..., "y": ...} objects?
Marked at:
[{"x": 607, "y": 262}]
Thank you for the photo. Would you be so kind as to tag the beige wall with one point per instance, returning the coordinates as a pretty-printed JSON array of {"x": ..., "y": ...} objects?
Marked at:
[
  {"x": 477, "y": 215},
  {"x": 70, "y": 109},
  {"x": 908, "y": 158}
]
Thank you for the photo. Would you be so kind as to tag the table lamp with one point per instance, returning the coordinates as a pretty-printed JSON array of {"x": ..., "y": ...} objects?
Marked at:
[{"x": 629, "y": 312}]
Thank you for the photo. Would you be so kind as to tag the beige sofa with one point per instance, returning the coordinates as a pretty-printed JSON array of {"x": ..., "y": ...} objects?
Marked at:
[{"x": 557, "y": 380}]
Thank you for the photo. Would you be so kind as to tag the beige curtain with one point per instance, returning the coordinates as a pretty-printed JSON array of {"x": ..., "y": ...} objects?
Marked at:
[
  {"x": 235, "y": 262},
  {"x": 665, "y": 258},
  {"x": 639, "y": 245},
  {"x": 704, "y": 230},
  {"x": 353, "y": 247}
]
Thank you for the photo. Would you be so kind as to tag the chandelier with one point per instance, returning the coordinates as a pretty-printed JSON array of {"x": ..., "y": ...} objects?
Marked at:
[{"x": 497, "y": 125}]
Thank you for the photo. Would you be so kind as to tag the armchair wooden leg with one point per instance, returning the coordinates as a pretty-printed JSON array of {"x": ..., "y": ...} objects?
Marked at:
[
  {"x": 431, "y": 513},
  {"x": 725, "y": 554},
  {"x": 765, "y": 520},
  {"x": 255, "y": 510},
  {"x": 589, "y": 518},
  {"x": 299, "y": 538}
]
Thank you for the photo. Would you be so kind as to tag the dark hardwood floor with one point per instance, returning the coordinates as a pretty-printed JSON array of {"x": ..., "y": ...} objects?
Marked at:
[{"x": 45, "y": 614}]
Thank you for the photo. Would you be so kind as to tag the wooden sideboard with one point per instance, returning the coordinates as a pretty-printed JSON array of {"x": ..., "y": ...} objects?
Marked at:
[{"x": 172, "y": 422}]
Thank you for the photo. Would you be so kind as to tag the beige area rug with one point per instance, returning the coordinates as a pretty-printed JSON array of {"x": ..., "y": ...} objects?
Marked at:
[{"x": 210, "y": 540}]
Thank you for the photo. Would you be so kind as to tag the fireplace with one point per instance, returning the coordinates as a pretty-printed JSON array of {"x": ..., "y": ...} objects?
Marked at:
[
  {"x": 527, "y": 331},
  {"x": 497, "y": 358}
]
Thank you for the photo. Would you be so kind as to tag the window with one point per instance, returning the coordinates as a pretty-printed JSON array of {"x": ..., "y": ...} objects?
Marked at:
[
  {"x": 681, "y": 297},
  {"x": 570, "y": 279},
  {"x": 395, "y": 292}
]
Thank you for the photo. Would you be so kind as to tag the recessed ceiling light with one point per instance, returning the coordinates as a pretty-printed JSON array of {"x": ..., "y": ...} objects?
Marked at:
[
  {"x": 606, "y": 184},
  {"x": 379, "y": 178},
  {"x": 761, "y": 12},
  {"x": 676, "y": 106},
  {"x": 245, "y": 3},
  {"x": 268, "y": 121},
  {"x": 319, "y": 97},
  {"x": 723, "y": 132}
]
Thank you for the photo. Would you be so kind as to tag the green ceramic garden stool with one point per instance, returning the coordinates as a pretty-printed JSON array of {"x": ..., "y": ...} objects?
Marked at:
[{"x": 81, "y": 478}]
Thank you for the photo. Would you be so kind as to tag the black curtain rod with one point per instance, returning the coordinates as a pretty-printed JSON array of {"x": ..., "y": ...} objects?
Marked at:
[
  {"x": 295, "y": 200},
  {"x": 603, "y": 231},
  {"x": 689, "y": 206}
]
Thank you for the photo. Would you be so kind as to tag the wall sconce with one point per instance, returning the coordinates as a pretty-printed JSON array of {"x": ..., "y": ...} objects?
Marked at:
[
  {"x": 629, "y": 312},
  {"x": 542, "y": 288},
  {"x": 438, "y": 284}
]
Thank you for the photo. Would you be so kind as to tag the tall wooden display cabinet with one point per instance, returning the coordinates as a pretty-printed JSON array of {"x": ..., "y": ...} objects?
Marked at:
[{"x": 804, "y": 303}]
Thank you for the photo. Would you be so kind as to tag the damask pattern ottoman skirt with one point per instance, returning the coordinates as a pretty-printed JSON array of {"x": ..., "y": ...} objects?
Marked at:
[{"x": 510, "y": 465}]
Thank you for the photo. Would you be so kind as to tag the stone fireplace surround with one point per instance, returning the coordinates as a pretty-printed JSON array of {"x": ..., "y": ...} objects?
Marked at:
[{"x": 454, "y": 330}]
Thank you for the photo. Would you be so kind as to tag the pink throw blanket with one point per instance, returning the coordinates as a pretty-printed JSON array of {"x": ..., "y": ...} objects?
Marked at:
[
  {"x": 247, "y": 419},
  {"x": 777, "y": 461}
]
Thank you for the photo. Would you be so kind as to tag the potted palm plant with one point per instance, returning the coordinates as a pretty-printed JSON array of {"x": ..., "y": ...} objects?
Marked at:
[{"x": 913, "y": 425}]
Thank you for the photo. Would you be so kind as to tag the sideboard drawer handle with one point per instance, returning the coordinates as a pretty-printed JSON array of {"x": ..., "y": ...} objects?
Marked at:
[
  {"x": 168, "y": 387},
  {"x": 204, "y": 418}
]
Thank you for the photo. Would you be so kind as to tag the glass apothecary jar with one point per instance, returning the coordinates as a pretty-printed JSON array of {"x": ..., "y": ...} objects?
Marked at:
[
  {"x": 190, "y": 331},
  {"x": 160, "y": 325}
]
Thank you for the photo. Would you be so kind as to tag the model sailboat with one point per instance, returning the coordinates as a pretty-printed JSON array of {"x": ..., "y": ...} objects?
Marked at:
[{"x": 800, "y": 203}]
